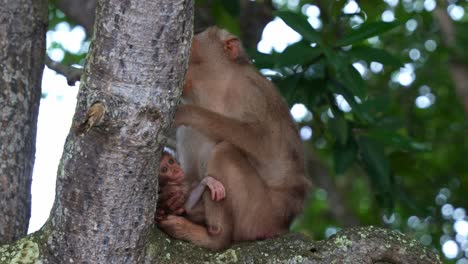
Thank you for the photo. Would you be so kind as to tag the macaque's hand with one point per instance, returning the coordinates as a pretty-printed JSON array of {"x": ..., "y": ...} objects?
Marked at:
[
  {"x": 217, "y": 190},
  {"x": 172, "y": 198},
  {"x": 174, "y": 226},
  {"x": 160, "y": 215}
]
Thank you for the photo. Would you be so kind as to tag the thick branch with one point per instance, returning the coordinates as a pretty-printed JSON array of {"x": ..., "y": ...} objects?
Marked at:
[
  {"x": 71, "y": 73},
  {"x": 355, "y": 245}
]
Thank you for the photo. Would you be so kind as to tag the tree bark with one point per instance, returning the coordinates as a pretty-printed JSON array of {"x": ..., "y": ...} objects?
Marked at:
[
  {"x": 354, "y": 246},
  {"x": 23, "y": 25},
  {"x": 107, "y": 178}
]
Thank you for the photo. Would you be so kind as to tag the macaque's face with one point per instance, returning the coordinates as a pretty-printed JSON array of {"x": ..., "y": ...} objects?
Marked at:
[{"x": 169, "y": 169}]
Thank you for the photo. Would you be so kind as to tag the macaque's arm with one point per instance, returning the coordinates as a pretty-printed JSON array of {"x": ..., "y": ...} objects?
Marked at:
[
  {"x": 216, "y": 188},
  {"x": 221, "y": 128}
]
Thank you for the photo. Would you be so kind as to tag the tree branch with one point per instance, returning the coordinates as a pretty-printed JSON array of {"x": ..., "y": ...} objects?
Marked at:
[
  {"x": 71, "y": 73},
  {"x": 354, "y": 245}
]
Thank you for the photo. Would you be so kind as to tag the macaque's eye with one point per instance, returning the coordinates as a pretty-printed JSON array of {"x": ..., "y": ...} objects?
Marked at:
[
  {"x": 164, "y": 170},
  {"x": 171, "y": 161}
]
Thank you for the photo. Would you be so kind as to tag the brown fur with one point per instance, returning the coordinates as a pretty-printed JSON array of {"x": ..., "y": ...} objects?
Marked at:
[{"x": 235, "y": 127}]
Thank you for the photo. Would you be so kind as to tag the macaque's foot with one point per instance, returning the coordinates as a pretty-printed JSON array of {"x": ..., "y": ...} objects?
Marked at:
[
  {"x": 175, "y": 226},
  {"x": 217, "y": 190}
]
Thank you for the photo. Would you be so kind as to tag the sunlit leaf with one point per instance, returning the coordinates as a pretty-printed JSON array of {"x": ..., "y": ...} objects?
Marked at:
[{"x": 365, "y": 31}]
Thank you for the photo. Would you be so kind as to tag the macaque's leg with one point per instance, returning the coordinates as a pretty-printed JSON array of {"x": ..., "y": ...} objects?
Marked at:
[
  {"x": 216, "y": 126},
  {"x": 247, "y": 197},
  {"x": 182, "y": 228}
]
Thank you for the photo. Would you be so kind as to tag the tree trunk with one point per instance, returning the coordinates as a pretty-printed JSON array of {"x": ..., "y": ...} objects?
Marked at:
[
  {"x": 107, "y": 178},
  {"x": 23, "y": 24}
]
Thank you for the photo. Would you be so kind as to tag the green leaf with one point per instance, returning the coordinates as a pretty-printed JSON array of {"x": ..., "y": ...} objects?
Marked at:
[
  {"x": 344, "y": 156},
  {"x": 365, "y": 31},
  {"x": 399, "y": 141},
  {"x": 370, "y": 54},
  {"x": 300, "y": 24},
  {"x": 288, "y": 86},
  {"x": 347, "y": 74},
  {"x": 232, "y": 7},
  {"x": 339, "y": 129},
  {"x": 377, "y": 166},
  {"x": 300, "y": 53},
  {"x": 357, "y": 109},
  {"x": 262, "y": 60},
  {"x": 354, "y": 81},
  {"x": 224, "y": 19}
]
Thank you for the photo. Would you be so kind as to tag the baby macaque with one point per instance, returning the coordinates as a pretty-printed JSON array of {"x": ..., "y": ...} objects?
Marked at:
[{"x": 175, "y": 194}]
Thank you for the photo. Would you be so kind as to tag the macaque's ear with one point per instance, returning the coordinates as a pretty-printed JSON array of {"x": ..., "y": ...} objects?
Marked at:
[{"x": 233, "y": 47}]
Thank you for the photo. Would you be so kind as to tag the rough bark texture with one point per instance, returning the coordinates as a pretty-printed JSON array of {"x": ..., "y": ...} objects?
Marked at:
[
  {"x": 23, "y": 24},
  {"x": 107, "y": 178},
  {"x": 364, "y": 245}
]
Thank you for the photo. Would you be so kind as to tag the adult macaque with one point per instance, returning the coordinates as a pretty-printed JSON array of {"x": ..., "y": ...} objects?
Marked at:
[
  {"x": 175, "y": 194},
  {"x": 235, "y": 127}
]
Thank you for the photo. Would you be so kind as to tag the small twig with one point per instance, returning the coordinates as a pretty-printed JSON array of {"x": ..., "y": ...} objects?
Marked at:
[{"x": 71, "y": 73}]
